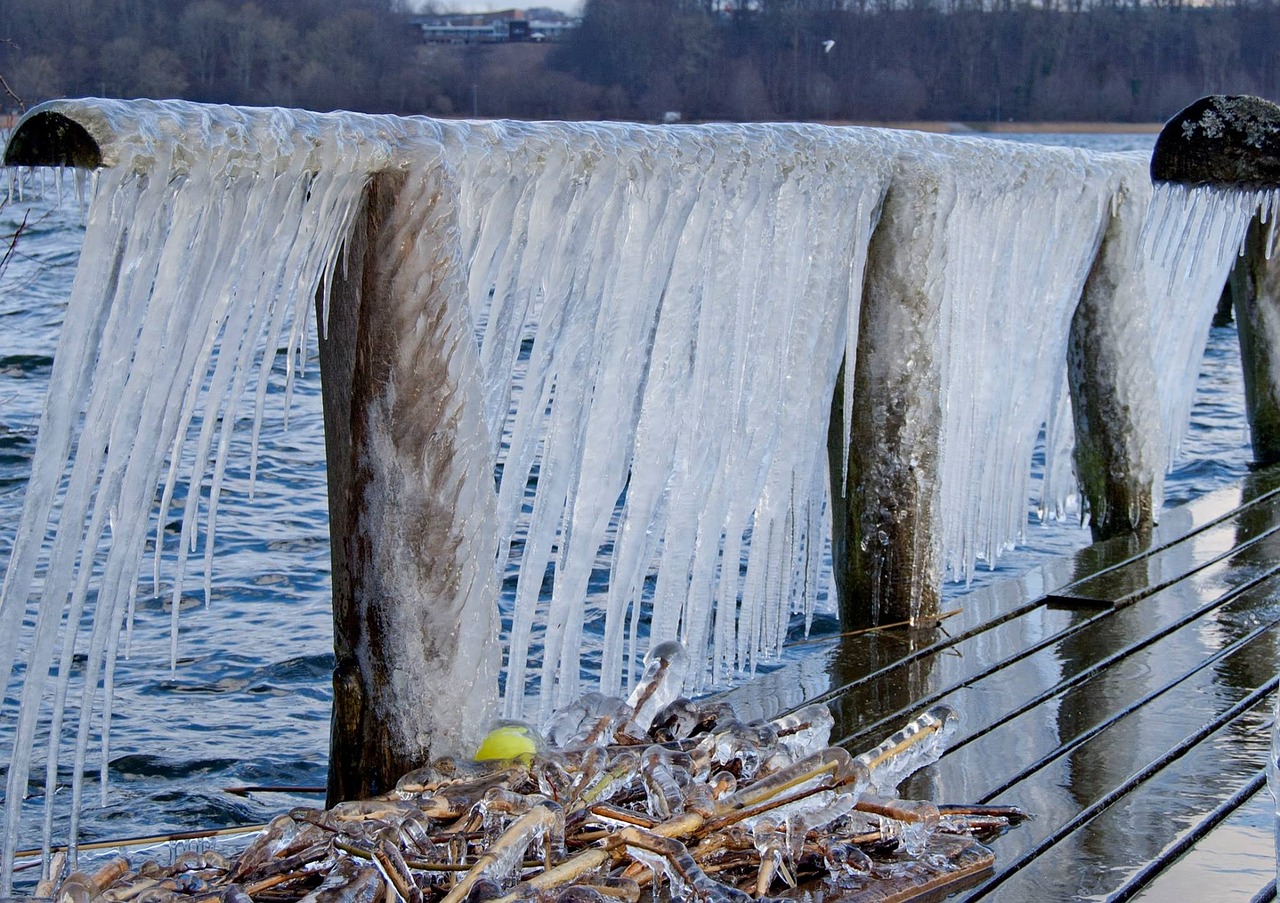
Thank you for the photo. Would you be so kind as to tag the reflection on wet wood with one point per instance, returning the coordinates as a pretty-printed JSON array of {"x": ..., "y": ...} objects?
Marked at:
[{"x": 1124, "y": 701}]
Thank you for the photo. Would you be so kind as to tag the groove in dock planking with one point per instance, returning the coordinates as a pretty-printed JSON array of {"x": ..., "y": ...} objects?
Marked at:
[{"x": 1124, "y": 699}]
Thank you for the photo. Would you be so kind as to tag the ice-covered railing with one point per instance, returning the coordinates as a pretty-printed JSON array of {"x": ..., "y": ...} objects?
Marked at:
[{"x": 639, "y": 329}]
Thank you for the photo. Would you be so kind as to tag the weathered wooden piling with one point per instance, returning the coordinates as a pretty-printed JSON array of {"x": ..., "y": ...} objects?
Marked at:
[
  {"x": 410, "y": 503},
  {"x": 1229, "y": 141},
  {"x": 49, "y": 137},
  {"x": 925, "y": 415},
  {"x": 886, "y": 540},
  {"x": 1255, "y": 291},
  {"x": 1111, "y": 377}
]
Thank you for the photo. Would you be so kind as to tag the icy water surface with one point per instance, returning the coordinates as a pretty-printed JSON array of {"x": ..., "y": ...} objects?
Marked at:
[{"x": 249, "y": 701}]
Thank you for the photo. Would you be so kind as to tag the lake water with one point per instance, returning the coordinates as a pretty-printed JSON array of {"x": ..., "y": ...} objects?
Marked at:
[{"x": 249, "y": 701}]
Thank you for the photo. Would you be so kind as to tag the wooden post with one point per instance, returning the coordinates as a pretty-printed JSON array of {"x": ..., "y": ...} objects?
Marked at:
[
  {"x": 414, "y": 585},
  {"x": 886, "y": 546},
  {"x": 1228, "y": 141},
  {"x": 1255, "y": 290},
  {"x": 1111, "y": 377},
  {"x": 49, "y": 137}
]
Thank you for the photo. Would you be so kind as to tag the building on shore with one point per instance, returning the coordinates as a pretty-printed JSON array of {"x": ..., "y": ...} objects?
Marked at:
[{"x": 500, "y": 27}]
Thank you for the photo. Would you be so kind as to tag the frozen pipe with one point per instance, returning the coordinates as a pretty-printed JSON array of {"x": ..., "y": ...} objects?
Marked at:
[{"x": 1233, "y": 143}]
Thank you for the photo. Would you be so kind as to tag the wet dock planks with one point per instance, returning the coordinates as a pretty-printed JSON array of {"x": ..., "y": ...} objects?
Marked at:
[{"x": 1124, "y": 698}]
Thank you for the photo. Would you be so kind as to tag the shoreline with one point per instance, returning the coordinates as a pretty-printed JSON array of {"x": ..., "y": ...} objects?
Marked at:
[{"x": 1038, "y": 128}]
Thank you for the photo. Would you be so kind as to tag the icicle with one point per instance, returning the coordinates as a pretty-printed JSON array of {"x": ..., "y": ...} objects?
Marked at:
[
  {"x": 688, "y": 227},
  {"x": 1271, "y": 202},
  {"x": 1191, "y": 241}
]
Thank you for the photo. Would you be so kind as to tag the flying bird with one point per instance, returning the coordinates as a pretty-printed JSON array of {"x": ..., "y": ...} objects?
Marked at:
[{"x": 827, "y": 45}]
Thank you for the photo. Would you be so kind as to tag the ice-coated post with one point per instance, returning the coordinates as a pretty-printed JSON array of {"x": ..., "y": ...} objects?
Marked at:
[
  {"x": 404, "y": 516},
  {"x": 362, "y": 754},
  {"x": 1118, "y": 458},
  {"x": 886, "y": 538},
  {"x": 1255, "y": 292},
  {"x": 1233, "y": 142}
]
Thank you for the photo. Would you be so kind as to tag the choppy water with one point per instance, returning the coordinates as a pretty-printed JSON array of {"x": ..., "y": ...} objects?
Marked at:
[{"x": 249, "y": 701}]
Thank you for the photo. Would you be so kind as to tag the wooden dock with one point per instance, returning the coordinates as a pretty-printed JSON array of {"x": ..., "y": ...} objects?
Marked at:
[{"x": 1123, "y": 697}]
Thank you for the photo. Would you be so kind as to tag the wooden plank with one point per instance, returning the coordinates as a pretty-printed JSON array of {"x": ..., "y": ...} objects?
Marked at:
[
  {"x": 1168, "y": 565},
  {"x": 1092, "y": 854},
  {"x": 862, "y": 676},
  {"x": 1008, "y": 658},
  {"x": 1176, "y": 525},
  {"x": 1047, "y": 739},
  {"x": 1022, "y": 716},
  {"x": 895, "y": 657},
  {"x": 1135, "y": 648},
  {"x": 1223, "y": 864},
  {"x": 1096, "y": 755},
  {"x": 1123, "y": 727}
]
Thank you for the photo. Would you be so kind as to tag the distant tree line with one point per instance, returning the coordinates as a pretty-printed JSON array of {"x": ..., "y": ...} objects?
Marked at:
[
  {"x": 923, "y": 59},
  {"x": 319, "y": 54},
  {"x": 639, "y": 59}
]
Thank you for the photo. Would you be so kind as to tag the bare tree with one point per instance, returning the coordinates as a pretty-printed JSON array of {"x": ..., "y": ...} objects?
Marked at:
[
  {"x": 8, "y": 92},
  {"x": 11, "y": 241}
]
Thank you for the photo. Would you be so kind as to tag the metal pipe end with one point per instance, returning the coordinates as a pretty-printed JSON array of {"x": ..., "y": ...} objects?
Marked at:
[
  {"x": 46, "y": 137},
  {"x": 1228, "y": 141}
]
